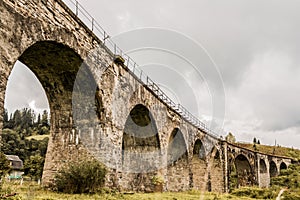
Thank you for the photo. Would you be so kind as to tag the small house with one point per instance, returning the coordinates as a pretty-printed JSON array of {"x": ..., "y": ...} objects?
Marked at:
[{"x": 16, "y": 165}]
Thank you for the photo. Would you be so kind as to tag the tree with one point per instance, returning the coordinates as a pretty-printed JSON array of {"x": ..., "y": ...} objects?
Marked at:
[
  {"x": 4, "y": 167},
  {"x": 258, "y": 142},
  {"x": 17, "y": 119},
  {"x": 254, "y": 140},
  {"x": 230, "y": 138},
  {"x": 5, "y": 119},
  {"x": 44, "y": 120},
  {"x": 34, "y": 166}
]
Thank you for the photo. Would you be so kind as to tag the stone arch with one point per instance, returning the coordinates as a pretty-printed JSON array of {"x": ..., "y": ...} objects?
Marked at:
[
  {"x": 199, "y": 166},
  {"x": 283, "y": 166},
  {"x": 56, "y": 66},
  {"x": 140, "y": 149},
  {"x": 245, "y": 175},
  {"x": 177, "y": 162},
  {"x": 140, "y": 136},
  {"x": 273, "y": 171},
  {"x": 264, "y": 178},
  {"x": 25, "y": 33}
]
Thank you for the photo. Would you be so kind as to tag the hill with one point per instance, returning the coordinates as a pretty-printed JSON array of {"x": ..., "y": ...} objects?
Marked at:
[{"x": 272, "y": 150}]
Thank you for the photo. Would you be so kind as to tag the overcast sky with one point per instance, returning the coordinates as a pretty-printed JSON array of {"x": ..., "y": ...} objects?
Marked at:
[{"x": 250, "y": 46}]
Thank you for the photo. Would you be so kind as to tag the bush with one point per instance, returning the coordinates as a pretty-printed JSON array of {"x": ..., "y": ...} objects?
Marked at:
[{"x": 87, "y": 176}]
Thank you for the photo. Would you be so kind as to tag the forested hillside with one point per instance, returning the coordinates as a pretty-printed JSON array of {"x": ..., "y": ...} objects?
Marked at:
[{"x": 18, "y": 138}]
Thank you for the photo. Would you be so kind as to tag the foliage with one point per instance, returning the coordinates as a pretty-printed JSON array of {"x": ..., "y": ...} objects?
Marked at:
[
  {"x": 254, "y": 192},
  {"x": 86, "y": 176},
  {"x": 157, "y": 180},
  {"x": 34, "y": 166},
  {"x": 230, "y": 138},
  {"x": 20, "y": 126},
  {"x": 289, "y": 178},
  {"x": 4, "y": 167}
]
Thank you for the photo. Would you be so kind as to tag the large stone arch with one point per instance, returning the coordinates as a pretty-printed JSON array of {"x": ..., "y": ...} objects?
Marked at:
[
  {"x": 177, "y": 162},
  {"x": 244, "y": 171},
  {"x": 141, "y": 152},
  {"x": 54, "y": 53},
  {"x": 273, "y": 171},
  {"x": 264, "y": 179},
  {"x": 56, "y": 66},
  {"x": 199, "y": 166},
  {"x": 216, "y": 171}
]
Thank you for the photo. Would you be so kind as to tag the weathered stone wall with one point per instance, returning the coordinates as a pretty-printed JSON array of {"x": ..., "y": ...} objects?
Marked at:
[
  {"x": 217, "y": 173},
  {"x": 200, "y": 173}
]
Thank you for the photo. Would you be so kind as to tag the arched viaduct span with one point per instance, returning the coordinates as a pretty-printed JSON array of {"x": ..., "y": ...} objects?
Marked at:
[{"x": 53, "y": 42}]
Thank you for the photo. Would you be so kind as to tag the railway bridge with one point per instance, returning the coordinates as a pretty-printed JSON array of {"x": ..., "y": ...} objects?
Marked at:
[{"x": 102, "y": 105}]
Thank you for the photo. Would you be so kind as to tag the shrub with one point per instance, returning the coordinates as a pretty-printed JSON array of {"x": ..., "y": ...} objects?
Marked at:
[
  {"x": 87, "y": 176},
  {"x": 254, "y": 192}
]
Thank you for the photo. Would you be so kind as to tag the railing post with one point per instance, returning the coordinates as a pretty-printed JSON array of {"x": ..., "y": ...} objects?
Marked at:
[
  {"x": 133, "y": 67},
  {"x": 92, "y": 24},
  {"x": 76, "y": 8}
]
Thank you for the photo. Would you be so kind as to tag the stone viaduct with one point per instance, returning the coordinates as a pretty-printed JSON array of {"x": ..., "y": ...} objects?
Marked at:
[{"x": 99, "y": 107}]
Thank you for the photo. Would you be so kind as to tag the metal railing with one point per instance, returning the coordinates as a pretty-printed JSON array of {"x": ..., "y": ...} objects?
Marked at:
[{"x": 95, "y": 27}]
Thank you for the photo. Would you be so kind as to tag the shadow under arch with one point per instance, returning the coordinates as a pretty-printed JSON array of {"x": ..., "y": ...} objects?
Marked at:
[
  {"x": 56, "y": 66},
  {"x": 273, "y": 171},
  {"x": 177, "y": 162},
  {"x": 283, "y": 166}
]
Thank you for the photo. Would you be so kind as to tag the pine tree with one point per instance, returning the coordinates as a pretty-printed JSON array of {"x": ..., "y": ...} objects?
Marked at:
[
  {"x": 254, "y": 140},
  {"x": 44, "y": 120}
]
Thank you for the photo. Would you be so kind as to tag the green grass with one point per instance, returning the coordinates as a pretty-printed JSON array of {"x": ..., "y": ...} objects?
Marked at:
[
  {"x": 32, "y": 191},
  {"x": 37, "y": 137}
]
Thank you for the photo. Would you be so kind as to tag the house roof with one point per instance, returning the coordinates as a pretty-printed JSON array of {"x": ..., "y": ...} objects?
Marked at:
[{"x": 16, "y": 162}]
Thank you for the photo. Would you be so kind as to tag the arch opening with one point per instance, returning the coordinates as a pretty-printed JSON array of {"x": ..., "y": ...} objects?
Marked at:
[
  {"x": 141, "y": 151},
  {"x": 140, "y": 140},
  {"x": 177, "y": 149},
  {"x": 283, "y": 166},
  {"x": 56, "y": 67},
  {"x": 198, "y": 150},
  {"x": 273, "y": 169},
  {"x": 245, "y": 175}
]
